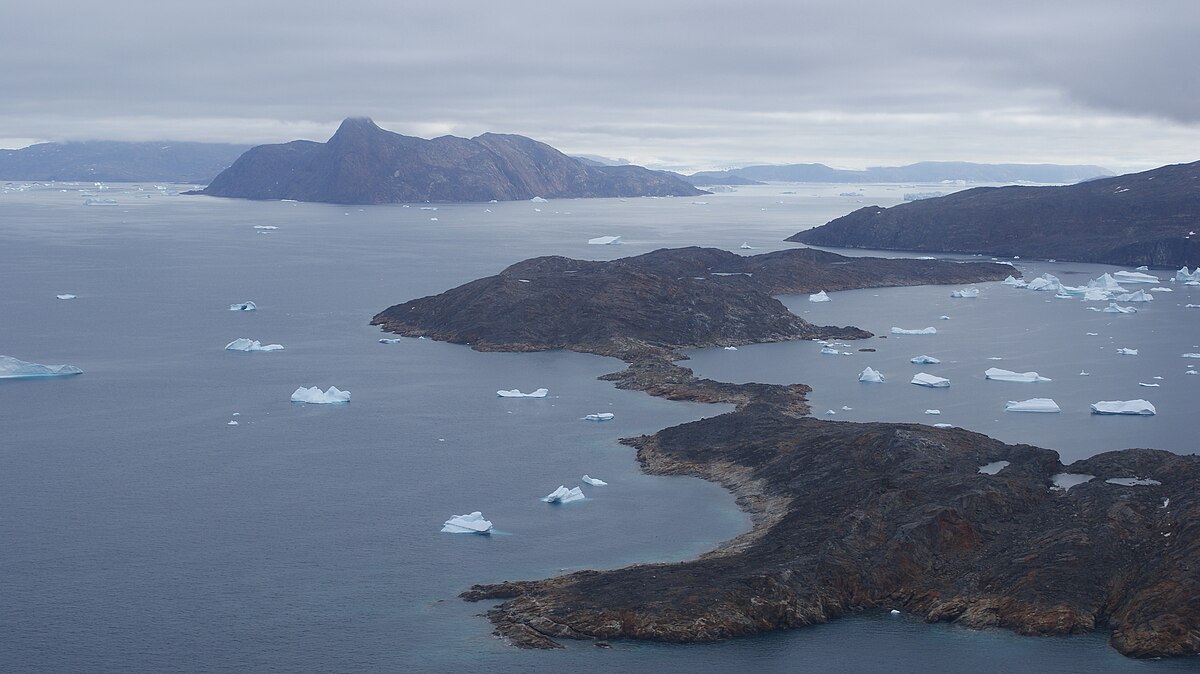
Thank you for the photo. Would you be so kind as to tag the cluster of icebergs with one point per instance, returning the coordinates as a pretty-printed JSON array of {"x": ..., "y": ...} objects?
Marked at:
[
  {"x": 1107, "y": 288},
  {"x": 474, "y": 523}
]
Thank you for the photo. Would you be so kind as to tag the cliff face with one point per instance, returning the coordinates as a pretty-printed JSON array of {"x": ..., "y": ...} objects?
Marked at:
[
  {"x": 364, "y": 164},
  {"x": 853, "y": 516},
  {"x": 1141, "y": 218}
]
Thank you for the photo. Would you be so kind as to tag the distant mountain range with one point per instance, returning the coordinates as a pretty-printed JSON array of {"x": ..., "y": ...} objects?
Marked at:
[
  {"x": 921, "y": 172},
  {"x": 112, "y": 161},
  {"x": 1148, "y": 218},
  {"x": 364, "y": 164}
]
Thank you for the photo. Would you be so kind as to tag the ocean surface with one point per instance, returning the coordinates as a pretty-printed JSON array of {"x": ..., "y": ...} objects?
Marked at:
[{"x": 141, "y": 532}]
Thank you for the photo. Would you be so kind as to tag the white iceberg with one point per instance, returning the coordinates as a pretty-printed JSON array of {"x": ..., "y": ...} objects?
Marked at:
[
  {"x": 993, "y": 467},
  {"x": 943, "y": 425},
  {"x": 1139, "y": 296},
  {"x": 315, "y": 396},
  {"x": 828, "y": 350},
  {"x": 14, "y": 368},
  {"x": 731, "y": 348},
  {"x": 933, "y": 412},
  {"x": 746, "y": 246},
  {"x": 819, "y": 297},
  {"x": 1127, "y": 352},
  {"x": 965, "y": 293},
  {"x": 1138, "y": 407},
  {"x": 605, "y": 241},
  {"x": 923, "y": 379},
  {"x": 467, "y": 524},
  {"x": 1134, "y": 277},
  {"x": 1008, "y": 375},
  {"x": 1114, "y": 308},
  {"x": 1160, "y": 289},
  {"x": 594, "y": 482},
  {"x": 922, "y": 331},
  {"x": 1014, "y": 282},
  {"x": 1106, "y": 282},
  {"x": 391, "y": 340},
  {"x": 1045, "y": 282},
  {"x": 65, "y": 296},
  {"x": 924, "y": 360},
  {"x": 1096, "y": 295},
  {"x": 564, "y": 495},
  {"x": 870, "y": 376},
  {"x": 538, "y": 200},
  {"x": 1149, "y": 385},
  {"x": 266, "y": 227},
  {"x": 1134, "y": 482},
  {"x": 1032, "y": 405},
  {"x": 1191, "y": 355},
  {"x": 1186, "y": 276},
  {"x": 244, "y": 306},
  {"x": 600, "y": 416},
  {"x": 515, "y": 393},
  {"x": 244, "y": 344}
]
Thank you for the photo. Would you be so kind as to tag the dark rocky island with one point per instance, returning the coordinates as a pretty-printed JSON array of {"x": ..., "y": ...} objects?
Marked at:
[
  {"x": 1137, "y": 219},
  {"x": 119, "y": 162},
  {"x": 364, "y": 164}
]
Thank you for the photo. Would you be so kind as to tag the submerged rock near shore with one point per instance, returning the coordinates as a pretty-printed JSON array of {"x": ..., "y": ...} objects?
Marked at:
[{"x": 854, "y": 516}]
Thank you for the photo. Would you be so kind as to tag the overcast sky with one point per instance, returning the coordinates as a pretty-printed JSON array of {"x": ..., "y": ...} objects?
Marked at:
[{"x": 690, "y": 85}]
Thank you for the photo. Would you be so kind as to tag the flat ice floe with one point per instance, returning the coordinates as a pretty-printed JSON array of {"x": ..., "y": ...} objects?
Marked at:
[
  {"x": 1133, "y": 481},
  {"x": 605, "y": 241},
  {"x": 924, "y": 379},
  {"x": 1134, "y": 277},
  {"x": 1137, "y": 407},
  {"x": 829, "y": 351},
  {"x": 315, "y": 396},
  {"x": 1064, "y": 481},
  {"x": 924, "y": 360},
  {"x": 15, "y": 368},
  {"x": 935, "y": 412},
  {"x": 943, "y": 425},
  {"x": 65, "y": 296},
  {"x": 819, "y": 297},
  {"x": 244, "y": 344},
  {"x": 1127, "y": 352},
  {"x": 1191, "y": 355},
  {"x": 1114, "y": 308},
  {"x": 244, "y": 306},
  {"x": 515, "y": 393},
  {"x": 600, "y": 416},
  {"x": 1032, "y": 405},
  {"x": 594, "y": 482},
  {"x": 923, "y": 331},
  {"x": 391, "y": 340},
  {"x": 472, "y": 523},
  {"x": 871, "y": 376},
  {"x": 965, "y": 293},
  {"x": 564, "y": 495},
  {"x": 993, "y": 467},
  {"x": 997, "y": 374}
]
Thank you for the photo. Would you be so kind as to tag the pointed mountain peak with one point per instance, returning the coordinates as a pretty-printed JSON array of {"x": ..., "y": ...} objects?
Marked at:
[{"x": 357, "y": 126}]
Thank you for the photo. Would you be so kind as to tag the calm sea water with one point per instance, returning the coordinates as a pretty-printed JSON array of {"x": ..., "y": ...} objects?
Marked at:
[{"x": 140, "y": 532}]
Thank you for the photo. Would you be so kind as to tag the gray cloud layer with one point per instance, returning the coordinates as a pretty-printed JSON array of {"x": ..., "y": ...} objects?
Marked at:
[{"x": 697, "y": 83}]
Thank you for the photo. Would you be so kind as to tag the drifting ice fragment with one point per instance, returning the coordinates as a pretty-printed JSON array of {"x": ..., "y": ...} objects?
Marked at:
[
  {"x": 1149, "y": 385},
  {"x": 870, "y": 376},
  {"x": 1096, "y": 295},
  {"x": 232, "y": 423},
  {"x": 1127, "y": 352},
  {"x": 1139, "y": 296},
  {"x": 993, "y": 467},
  {"x": 1014, "y": 282},
  {"x": 819, "y": 297},
  {"x": 1134, "y": 277},
  {"x": 830, "y": 413},
  {"x": 965, "y": 293},
  {"x": 65, "y": 296},
  {"x": 1114, "y": 308},
  {"x": 746, "y": 246},
  {"x": 944, "y": 318},
  {"x": 923, "y": 379},
  {"x": 731, "y": 348},
  {"x": 1032, "y": 405},
  {"x": 933, "y": 411},
  {"x": 266, "y": 227},
  {"x": 1185, "y": 276},
  {"x": 922, "y": 331},
  {"x": 1133, "y": 482},
  {"x": 564, "y": 495},
  {"x": 1045, "y": 282},
  {"x": 1106, "y": 282},
  {"x": 467, "y": 524},
  {"x": 515, "y": 393},
  {"x": 1191, "y": 355},
  {"x": 314, "y": 396},
  {"x": 13, "y": 368},
  {"x": 1008, "y": 375},
  {"x": 829, "y": 351},
  {"x": 943, "y": 425},
  {"x": 1161, "y": 290},
  {"x": 1138, "y": 407},
  {"x": 391, "y": 340},
  {"x": 594, "y": 482},
  {"x": 244, "y": 344},
  {"x": 538, "y": 200},
  {"x": 924, "y": 360},
  {"x": 244, "y": 306},
  {"x": 605, "y": 241},
  {"x": 601, "y": 416},
  {"x": 1143, "y": 268},
  {"x": 895, "y": 612}
]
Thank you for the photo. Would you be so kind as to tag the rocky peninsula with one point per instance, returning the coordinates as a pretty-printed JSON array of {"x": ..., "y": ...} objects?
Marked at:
[{"x": 1147, "y": 218}]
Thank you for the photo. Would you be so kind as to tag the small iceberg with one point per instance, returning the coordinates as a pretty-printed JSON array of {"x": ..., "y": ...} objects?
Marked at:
[
  {"x": 1096, "y": 295},
  {"x": 1133, "y": 482},
  {"x": 746, "y": 246},
  {"x": 731, "y": 348},
  {"x": 1160, "y": 289},
  {"x": 594, "y": 482},
  {"x": 1127, "y": 352},
  {"x": 14, "y": 368},
  {"x": 515, "y": 393},
  {"x": 600, "y": 416},
  {"x": 538, "y": 200},
  {"x": 1139, "y": 296},
  {"x": 564, "y": 495},
  {"x": 244, "y": 306},
  {"x": 923, "y": 379},
  {"x": 605, "y": 241},
  {"x": 467, "y": 524},
  {"x": 1149, "y": 385},
  {"x": 1106, "y": 282},
  {"x": 391, "y": 340},
  {"x": 1046, "y": 405},
  {"x": 232, "y": 423},
  {"x": 266, "y": 227},
  {"x": 65, "y": 296},
  {"x": 1134, "y": 277},
  {"x": 922, "y": 331},
  {"x": 993, "y": 467},
  {"x": 1184, "y": 275},
  {"x": 943, "y": 425},
  {"x": 1191, "y": 355},
  {"x": 1114, "y": 308},
  {"x": 870, "y": 376},
  {"x": 1007, "y": 375},
  {"x": 819, "y": 297},
  {"x": 829, "y": 351},
  {"x": 243, "y": 344},
  {"x": 1014, "y": 282},
  {"x": 1064, "y": 481},
  {"x": 1136, "y": 407},
  {"x": 935, "y": 412},
  {"x": 1045, "y": 282},
  {"x": 965, "y": 293},
  {"x": 924, "y": 360},
  {"x": 315, "y": 396}
]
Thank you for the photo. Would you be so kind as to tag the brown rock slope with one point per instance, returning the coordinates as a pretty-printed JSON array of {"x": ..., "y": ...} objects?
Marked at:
[{"x": 853, "y": 516}]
